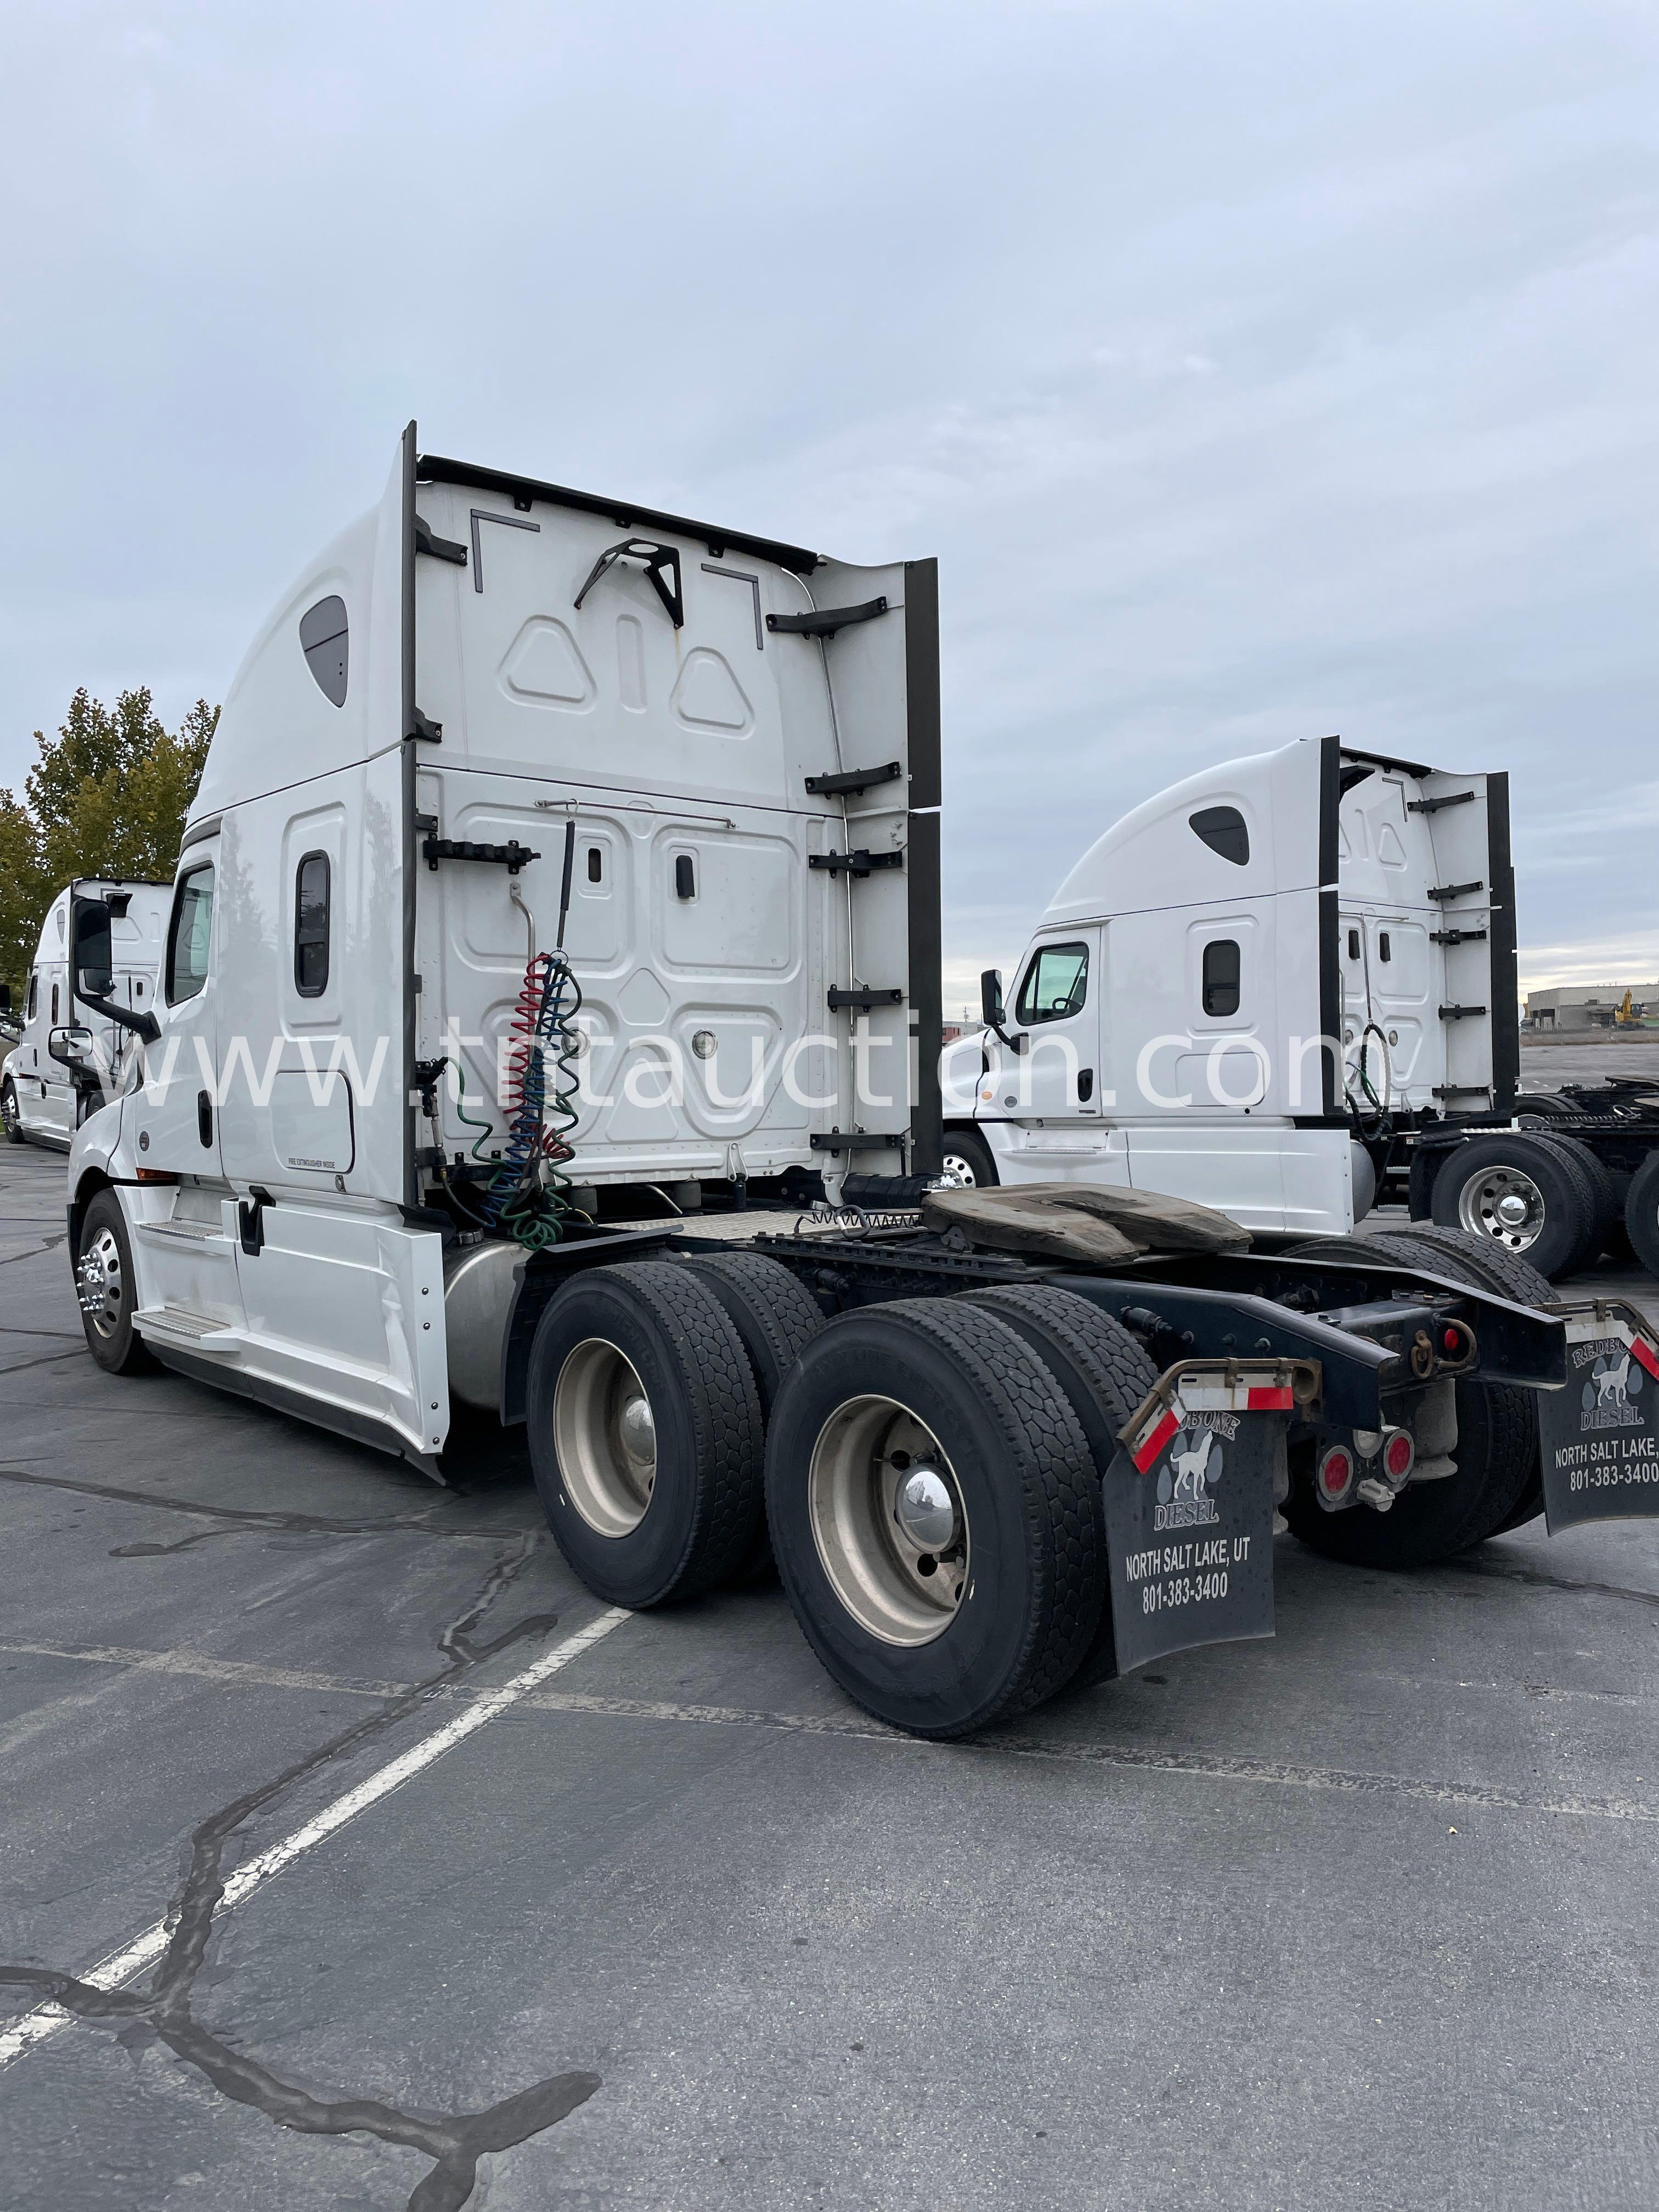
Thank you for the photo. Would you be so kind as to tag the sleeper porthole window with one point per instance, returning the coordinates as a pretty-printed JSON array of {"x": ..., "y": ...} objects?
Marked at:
[
  {"x": 1221, "y": 976},
  {"x": 323, "y": 641},
  {"x": 1222, "y": 828},
  {"x": 310, "y": 902}
]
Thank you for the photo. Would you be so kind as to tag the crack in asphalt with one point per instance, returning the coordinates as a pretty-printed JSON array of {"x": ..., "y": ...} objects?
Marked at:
[
  {"x": 34, "y": 1251},
  {"x": 453, "y": 2142},
  {"x": 1536, "y": 1579},
  {"x": 243, "y": 1518}
]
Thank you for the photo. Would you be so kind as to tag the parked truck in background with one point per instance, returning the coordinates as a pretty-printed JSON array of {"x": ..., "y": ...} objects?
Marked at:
[
  {"x": 548, "y": 1033},
  {"x": 1288, "y": 983},
  {"x": 66, "y": 1053}
]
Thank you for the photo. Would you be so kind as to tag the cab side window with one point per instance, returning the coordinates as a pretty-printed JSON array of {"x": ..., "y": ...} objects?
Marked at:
[
  {"x": 1221, "y": 976},
  {"x": 311, "y": 927},
  {"x": 33, "y": 1007},
  {"x": 54, "y": 1006},
  {"x": 189, "y": 934},
  {"x": 1056, "y": 984}
]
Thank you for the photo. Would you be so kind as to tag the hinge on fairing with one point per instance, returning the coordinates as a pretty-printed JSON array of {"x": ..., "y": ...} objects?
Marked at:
[
  {"x": 1460, "y": 1013},
  {"x": 854, "y": 780},
  {"x": 1454, "y": 890},
  {"x": 1434, "y": 805},
  {"x": 824, "y": 621},
  {"x": 441, "y": 548},
  {"x": 854, "y": 863},
  {"x": 863, "y": 997},
  {"x": 425, "y": 728},
  {"x": 1457, "y": 937},
  {"x": 857, "y": 1140}
]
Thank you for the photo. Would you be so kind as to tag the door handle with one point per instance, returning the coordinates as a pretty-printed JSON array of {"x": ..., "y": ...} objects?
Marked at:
[
  {"x": 1085, "y": 1084},
  {"x": 205, "y": 1117}
]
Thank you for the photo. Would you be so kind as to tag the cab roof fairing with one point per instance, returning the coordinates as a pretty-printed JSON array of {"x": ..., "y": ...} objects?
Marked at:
[{"x": 1153, "y": 858}]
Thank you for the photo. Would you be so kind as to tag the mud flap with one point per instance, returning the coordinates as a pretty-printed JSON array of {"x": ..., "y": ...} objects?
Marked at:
[
  {"x": 1189, "y": 1505},
  {"x": 1599, "y": 1437}
]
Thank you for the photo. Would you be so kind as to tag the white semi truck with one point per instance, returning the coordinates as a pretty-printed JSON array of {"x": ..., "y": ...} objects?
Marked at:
[
  {"x": 1245, "y": 978},
  {"x": 1281, "y": 981},
  {"x": 66, "y": 1055},
  {"x": 549, "y": 1032}
]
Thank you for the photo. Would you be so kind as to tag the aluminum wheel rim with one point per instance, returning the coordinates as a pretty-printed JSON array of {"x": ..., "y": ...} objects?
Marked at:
[
  {"x": 605, "y": 1434},
  {"x": 1506, "y": 1203},
  {"x": 100, "y": 1283},
  {"x": 894, "y": 1588},
  {"x": 954, "y": 1164}
]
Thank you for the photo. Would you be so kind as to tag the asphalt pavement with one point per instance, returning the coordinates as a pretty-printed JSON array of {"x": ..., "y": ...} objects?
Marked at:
[{"x": 1360, "y": 1916}]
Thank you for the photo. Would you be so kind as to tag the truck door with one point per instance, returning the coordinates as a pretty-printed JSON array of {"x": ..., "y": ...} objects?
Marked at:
[
  {"x": 25, "y": 1063},
  {"x": 177, "y": 1107},
  {"x": 57, "y": 1092},
  {"x": 1050, "y": 1090}
]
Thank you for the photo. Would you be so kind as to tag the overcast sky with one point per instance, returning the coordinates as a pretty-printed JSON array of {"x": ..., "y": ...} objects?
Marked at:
[{"x": 1255, "y": 371}]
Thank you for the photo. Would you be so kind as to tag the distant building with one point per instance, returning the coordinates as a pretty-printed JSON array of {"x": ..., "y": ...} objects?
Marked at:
[{"x": 1590, "y": 1005}]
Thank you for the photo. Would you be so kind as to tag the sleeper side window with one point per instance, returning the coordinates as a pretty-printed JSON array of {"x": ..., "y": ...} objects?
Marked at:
[
  {"x": 189, "y": 934},
  {"x": 30, "y": 1009},
  {"x": 311, "y": 904},
  {"x": 1056, "y": 984},
  {"x": 54, "y": 1006},
  {"x": 1222, "y": 829},
  {"x": 1221, "y": 976}
]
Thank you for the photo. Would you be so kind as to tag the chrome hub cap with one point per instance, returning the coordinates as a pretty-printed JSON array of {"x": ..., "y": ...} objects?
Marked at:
[
  {"x": 888, "y": 1521},
  {"x": 1504, "y": 1204},
  {"x": 605, "y": 1436},
  {"x": 98, "y": 1283},
  {"x": 10, "y": 1121}
]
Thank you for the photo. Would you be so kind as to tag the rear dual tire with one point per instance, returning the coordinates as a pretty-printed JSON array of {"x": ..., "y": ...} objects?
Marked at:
[
  {"x": 1539, "y": 1197},
  {"x": 932, "y": 1422},
  {"x": 645, "y": 1433}
]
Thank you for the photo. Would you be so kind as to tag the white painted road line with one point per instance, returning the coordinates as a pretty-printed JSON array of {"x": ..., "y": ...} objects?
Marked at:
[{"x": 121, "y": 1966}]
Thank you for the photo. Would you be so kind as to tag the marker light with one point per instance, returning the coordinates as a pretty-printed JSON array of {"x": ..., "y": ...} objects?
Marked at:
[{"x": 1399, "y": 1456}]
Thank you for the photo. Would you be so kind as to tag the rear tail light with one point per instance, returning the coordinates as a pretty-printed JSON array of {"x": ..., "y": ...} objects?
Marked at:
[
  {"x": 1399, "y": 1456},
  {"x": 1335, "y": 1475}
]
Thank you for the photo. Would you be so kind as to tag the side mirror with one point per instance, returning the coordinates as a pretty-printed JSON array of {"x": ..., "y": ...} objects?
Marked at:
[
  {"x": 990, "y": 999},
  {"x": 69, "y": 1045},
  {"x": 91, "y": 949},
  {"x": 5, "y": 998}
]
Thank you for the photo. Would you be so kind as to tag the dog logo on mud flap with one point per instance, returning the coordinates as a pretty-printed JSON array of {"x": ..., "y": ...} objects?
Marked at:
[
  {"x": 1611, "y": 1386},
  {"x": 1192, "y": 1464}
]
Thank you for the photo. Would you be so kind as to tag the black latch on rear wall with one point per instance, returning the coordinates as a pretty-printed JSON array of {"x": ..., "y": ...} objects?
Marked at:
[
  {"x": 512, "y": 856},
  {"x": 854, "y": 863},
  {"x": 863, "y": 997}
]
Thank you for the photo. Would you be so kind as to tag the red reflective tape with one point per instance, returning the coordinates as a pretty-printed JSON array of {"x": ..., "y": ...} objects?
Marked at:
[
  {"x": 1646, "y": 1357},
  {"x": 1155, "y": 1443},
  {"x": 1277, "y": 1401}
]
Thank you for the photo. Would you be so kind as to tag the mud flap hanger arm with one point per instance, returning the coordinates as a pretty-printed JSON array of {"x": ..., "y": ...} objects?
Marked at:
[{"x": 661, "y": 564}]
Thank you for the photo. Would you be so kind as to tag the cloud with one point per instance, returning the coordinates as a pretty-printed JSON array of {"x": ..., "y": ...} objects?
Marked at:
[{"x": 1254, "y": 372}]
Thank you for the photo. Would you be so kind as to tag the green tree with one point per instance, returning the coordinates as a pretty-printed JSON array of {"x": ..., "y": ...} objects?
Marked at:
[{"x": 107, "y": 797}]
